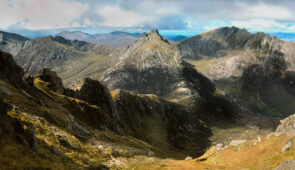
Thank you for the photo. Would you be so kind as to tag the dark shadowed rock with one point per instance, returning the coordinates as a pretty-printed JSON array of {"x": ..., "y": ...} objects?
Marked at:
[
  {"x": 10, "y": 71},
  {"x": 95, "y": 93},
  {"x": 55, "y": 83},
  {"x": 159, "y": 122}
]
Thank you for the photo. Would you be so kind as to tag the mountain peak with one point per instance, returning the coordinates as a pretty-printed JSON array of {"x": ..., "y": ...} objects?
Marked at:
[
  {"x": 154, "y": 32},
  {"x": 154, "y": 35}
]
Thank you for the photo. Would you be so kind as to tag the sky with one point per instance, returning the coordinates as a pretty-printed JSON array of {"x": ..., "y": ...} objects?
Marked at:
[{"x": 184, "y": 17}]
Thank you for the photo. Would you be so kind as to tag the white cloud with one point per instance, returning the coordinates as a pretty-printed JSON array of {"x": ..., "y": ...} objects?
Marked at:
[
  {"x": 292, "y": 28},
  {"x": 269, "y": 12},
  {"x": 209, "y": 27},
  {"x": 258, "y": 24},
  {"x": 147, "y": 14},
  {"x": 37, "y": 14},
  {"x": 116, "y": 17},
  {"x": 87, "y": 22}
]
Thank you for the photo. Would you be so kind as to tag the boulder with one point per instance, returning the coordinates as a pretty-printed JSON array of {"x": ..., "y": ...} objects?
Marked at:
[{"x": 287, "y": 146}]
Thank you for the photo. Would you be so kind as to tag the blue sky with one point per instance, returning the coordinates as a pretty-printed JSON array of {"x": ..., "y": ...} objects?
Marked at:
[{"x": 186, "y": 17}]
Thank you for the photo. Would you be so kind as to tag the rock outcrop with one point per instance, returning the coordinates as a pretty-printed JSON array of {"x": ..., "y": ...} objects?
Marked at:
[
  {"x": 55, "y": 83},
  {"x": 95, "y": 93},
  {"x": 287, "y": 126}
]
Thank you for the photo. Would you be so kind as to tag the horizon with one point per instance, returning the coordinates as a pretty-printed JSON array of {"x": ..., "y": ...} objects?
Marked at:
[
  {"x": 35, "y": 18},
  {"x": 286, "y": 36}
]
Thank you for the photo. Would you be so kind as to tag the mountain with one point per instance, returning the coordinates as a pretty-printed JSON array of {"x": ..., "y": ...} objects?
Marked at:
[
  {"x": 73, "y": 60},
  {"x": 114, "y": 39},
  {"x": 11, "y": 43},
  {"x": 175, "y": 38},
  {"x": 255, "y": 69},
  {"x": 214, "y": 43}
]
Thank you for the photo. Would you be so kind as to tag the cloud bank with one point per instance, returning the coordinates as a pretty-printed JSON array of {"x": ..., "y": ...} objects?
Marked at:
[{"x": 262, "y": 15}]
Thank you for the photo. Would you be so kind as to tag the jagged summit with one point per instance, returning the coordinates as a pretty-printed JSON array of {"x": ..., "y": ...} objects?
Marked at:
[
  {"x": 154, "y": 35},
  {"x": 154, "y": 32}
]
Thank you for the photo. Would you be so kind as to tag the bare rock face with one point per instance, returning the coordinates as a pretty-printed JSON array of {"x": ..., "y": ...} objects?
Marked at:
[{"x": 51, "y": 77}]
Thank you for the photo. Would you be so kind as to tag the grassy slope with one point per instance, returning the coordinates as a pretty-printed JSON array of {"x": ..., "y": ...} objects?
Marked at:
[{"x": 264, "y": 155}]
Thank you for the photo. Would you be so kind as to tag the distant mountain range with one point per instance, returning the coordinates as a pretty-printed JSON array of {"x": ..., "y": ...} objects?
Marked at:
[{"x": 113, "y": 39}]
